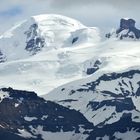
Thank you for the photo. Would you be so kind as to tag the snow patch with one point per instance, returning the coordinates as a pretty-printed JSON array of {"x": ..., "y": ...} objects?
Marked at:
[
  {"x": 44, "y": 117},
  {"x": 25, "y": 134},
  {"x": 29, "y": 119},
  {"x": 3, "y": 95}
]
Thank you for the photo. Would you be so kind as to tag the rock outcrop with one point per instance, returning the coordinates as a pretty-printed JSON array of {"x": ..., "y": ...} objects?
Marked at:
[
  {"x": 127, "y": 29},
  {"x": 24, "y": 115}
]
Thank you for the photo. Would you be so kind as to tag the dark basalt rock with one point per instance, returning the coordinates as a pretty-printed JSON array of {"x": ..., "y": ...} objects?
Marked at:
[
  {"x": 6, "y": 135},
  {"x": 120, "y": 104},
  {"x": 74, "y": 40},
  {"x": 130, "y": 25},
  {"x": 30, "y": 105},
  {"x": 126, "y": 24},
  {"x": 110, "y": 77},
  {"x": 115, "y": 76},
  {"x": 12, "y": 118},
  {"x": 124, "y": 125},
  {"x": 94, "y": 68},
  {"x": 34, "y": 42}
]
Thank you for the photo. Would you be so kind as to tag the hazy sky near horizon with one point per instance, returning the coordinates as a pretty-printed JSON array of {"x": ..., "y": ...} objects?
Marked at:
[{"x": 101, "y": 13}]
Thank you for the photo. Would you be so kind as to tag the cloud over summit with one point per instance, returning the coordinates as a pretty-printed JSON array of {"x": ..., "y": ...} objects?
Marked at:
[{"x": 90, "y": 12}]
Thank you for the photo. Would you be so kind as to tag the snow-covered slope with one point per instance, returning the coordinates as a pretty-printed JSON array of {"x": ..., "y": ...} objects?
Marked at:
[
  {"x": 110, "y": 96},
  {"x": 44, "y": 52}
]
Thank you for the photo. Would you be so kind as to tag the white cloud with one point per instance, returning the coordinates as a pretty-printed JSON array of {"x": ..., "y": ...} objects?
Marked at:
[{"x": 91, "y": 12}]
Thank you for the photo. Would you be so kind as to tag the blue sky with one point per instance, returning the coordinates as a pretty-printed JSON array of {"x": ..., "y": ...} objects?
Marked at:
[
  {"x": 102, "y": 13},
  {"x": 12, "y": 12}
]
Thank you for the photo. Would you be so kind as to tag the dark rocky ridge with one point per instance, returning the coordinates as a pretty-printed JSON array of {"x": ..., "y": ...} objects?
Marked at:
[
  {"x": 124, "y": 125},
  {"x": 94, "y": 67},
  {"x": 12, "y": 118},
  {"x": 30, "y": 105},
  {"x": 127, "y": 25},
  {"x": 121, "y": 101},
  {"x": 121, "y": 83}
]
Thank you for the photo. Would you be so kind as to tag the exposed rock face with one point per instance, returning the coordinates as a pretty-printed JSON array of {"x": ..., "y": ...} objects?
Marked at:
[
  {"x": 2, "y": 57},
  {"x": 93, "y": 68},
  {"x": 25, "y": 115},
  {"x": 127, "y": 23},
  {"x": 111, "y": 102},
  {"x": 127, "y": 29},
  {"x": 34, "y": 42}
]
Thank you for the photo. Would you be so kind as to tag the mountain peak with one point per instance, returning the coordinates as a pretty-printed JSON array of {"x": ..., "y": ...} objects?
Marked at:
[
  {"x": 127, "y": 29},
  {"x": 127, "y": 23},
  {"x": 48, "y": 31}
]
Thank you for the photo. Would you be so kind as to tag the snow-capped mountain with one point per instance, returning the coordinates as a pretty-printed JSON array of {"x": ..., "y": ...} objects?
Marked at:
[
  {"x": 40, "y": 52},
  {"x": 44, "y": 32},
  {"x": 95, "y": 81}
]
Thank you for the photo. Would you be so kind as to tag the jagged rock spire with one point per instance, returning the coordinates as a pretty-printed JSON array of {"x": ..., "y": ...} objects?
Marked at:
[{"x": 127, "y": 29}]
